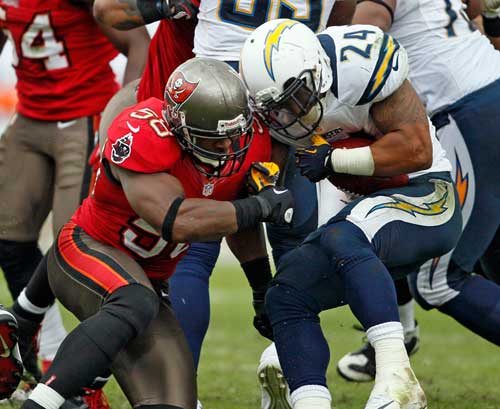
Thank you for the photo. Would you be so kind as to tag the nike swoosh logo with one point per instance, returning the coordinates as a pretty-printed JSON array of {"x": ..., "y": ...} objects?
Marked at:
[
  {"x": 6, "y": 349},
  {"x": 311, "y": 151},
  {"x": 395, "y": 67},
  {"x": 64, "y": 125},
  {"x": 134, "y": 130},
  {"x": 279, "y": 192},
  {"x": 384, "y": 406}
]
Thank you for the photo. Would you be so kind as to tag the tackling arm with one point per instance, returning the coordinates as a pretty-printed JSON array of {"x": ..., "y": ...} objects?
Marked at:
[
  {"x": 128, "y": 14},
  {"x": 406, "y": 145},
  {"x": 152, "y": 195}
]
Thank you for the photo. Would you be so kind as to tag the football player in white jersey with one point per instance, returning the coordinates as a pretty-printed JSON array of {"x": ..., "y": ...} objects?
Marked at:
[
  {"x": 346, "y": 80},
  {"x": 462, "y": 96}
]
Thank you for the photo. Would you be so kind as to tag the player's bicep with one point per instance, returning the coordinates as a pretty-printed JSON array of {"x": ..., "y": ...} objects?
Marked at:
[
  {"x": 149, "y": 194},
  {"x": 402, "y": 107}
]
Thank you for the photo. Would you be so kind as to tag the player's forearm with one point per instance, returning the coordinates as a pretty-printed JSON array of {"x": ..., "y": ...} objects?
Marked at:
[
  {"x": 204, "y": 220},
  {"x": 405, "y": 151},
  {"x": 119, "y": 14}
]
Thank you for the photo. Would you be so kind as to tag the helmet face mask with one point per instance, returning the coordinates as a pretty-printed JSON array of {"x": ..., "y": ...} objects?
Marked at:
[
  {"x": 296, "y": 112},
  {"x": 208, "y": 110},
  {"x": 211, "y": 162}
]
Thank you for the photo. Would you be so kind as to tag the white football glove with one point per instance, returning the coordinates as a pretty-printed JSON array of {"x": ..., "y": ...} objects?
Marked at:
[{"x": 491, "y": 8}]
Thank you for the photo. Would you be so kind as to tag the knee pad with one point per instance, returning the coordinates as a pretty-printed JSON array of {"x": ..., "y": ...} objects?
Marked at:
[
  {"x": 134, "y": 304},
  {"x": 285, "y": 303}
]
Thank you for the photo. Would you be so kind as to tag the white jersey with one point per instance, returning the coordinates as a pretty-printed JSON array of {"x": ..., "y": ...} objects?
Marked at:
[
  {"x": 368, "y": 66},
  {"x": 224, "y": 25},
  {"x": 448, "y": 58}
]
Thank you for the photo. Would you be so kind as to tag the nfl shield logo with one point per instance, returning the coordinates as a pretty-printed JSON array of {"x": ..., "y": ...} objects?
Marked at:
[{"x": 208, "y": 189}]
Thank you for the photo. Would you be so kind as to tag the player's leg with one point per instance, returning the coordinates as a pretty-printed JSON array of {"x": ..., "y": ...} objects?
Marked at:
[
  {"x": 404, "y": 227},
  {"x": 26, "y": 182},
  {"x": 112, "y": 296},
  {"x": 26, "y": 185},
  {"x": 73, "y": 141},
  {"x": 359, "y": 366},
  {"x": 490, "y": 260},
  {"x": 274, "y": 389},
  {"x": 446, "y": 283},
  {"x": 157, "y": 368},
  {"x": 189, "y": 293}
]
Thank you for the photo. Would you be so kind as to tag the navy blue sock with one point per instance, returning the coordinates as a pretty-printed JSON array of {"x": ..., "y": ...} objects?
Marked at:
[
  {"x": 369, "y": 287},
  {"x": 189, "y": 293},
  {"x": 477, "y": 307},
  {"x": 302, "y": 349}
]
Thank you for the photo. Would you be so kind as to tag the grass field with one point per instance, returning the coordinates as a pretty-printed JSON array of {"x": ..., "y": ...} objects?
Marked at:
[{"x": 456, "y": 369}]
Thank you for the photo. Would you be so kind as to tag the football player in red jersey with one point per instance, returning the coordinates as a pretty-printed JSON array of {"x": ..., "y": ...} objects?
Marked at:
[
  {"x": 61, "y": 58},
  {"x": 169, "y": 175}
]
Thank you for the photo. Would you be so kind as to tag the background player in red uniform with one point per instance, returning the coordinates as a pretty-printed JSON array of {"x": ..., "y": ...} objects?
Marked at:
[
  {"x": 168, "y": 176},
  {"x": 64, "y": 81}
]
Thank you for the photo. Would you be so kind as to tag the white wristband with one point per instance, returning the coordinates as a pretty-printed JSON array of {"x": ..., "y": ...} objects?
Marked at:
[{"x": 355, "y": 161}]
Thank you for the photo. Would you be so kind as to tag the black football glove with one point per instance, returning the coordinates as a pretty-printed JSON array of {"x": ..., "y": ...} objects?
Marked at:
[
  {"x": 277, "y": 205},
  {"x": 261, "y": 320},
  {"x": 314, "y": 161},
  {"x": 261, "y": 175},
  {"x": 181, "y": 9}
]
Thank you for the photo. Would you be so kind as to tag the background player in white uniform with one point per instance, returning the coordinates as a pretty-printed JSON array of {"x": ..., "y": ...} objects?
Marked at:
[
  {"x": 461, "y": 94},
  {"x": 346, "y": 80}
]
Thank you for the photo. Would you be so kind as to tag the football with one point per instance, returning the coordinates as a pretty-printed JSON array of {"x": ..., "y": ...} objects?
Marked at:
[{"x": 362, "y": 185}]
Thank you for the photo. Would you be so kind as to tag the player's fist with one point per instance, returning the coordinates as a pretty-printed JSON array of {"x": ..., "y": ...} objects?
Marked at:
[
  {"x": 261, "y": 175},
  {"x": 182, "y": 9},
  {"x": 313, "y": 161},
  {"x": 276, "y": 205}
]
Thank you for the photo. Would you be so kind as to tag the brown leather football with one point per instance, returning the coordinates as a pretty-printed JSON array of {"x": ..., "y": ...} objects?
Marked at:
[{"x": 363, "y": 185}]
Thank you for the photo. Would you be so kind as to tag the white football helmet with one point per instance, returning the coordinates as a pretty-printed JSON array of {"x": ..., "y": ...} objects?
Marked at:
[{"x": 287, "y": 72}]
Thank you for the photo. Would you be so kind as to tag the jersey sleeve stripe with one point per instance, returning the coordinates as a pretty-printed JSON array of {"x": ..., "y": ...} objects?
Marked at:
[
  {"x": 382, "y": 69},
  {"x": 329, "y": 46}
]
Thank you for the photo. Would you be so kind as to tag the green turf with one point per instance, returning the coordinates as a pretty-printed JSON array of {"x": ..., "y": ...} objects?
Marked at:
[{"x": 457, "y": 369}]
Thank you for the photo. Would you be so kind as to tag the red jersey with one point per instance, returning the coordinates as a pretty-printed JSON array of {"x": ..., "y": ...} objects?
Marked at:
[
  {"x": 171, "y": 45},
  {"x": 139, "y": 140},
  {"x": 61, "y": 59}
]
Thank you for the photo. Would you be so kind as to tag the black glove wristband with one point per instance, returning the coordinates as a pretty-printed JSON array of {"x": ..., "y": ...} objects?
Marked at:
[
  {"x": 152, "y": 11},
  {"x": 258, "y": 273},
  {"x": 491, "y": 26},
  {"x": 248, "y": 212}
]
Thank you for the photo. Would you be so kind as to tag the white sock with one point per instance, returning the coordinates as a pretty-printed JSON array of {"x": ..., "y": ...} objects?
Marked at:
[
  {"x": 311, "y": 397},
  {"x": 46, "y": 397},
  {"x": 407, "y": 316},
  {"x": 51, "y": 334},
  {"x": 26, "y": 304},
  {"x": 390, "y": 353}
]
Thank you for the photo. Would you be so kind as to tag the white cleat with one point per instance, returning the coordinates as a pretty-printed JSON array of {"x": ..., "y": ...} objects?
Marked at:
[
  {"x": 273, "y": 385},
  {"x": 400, "y": 391}
]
